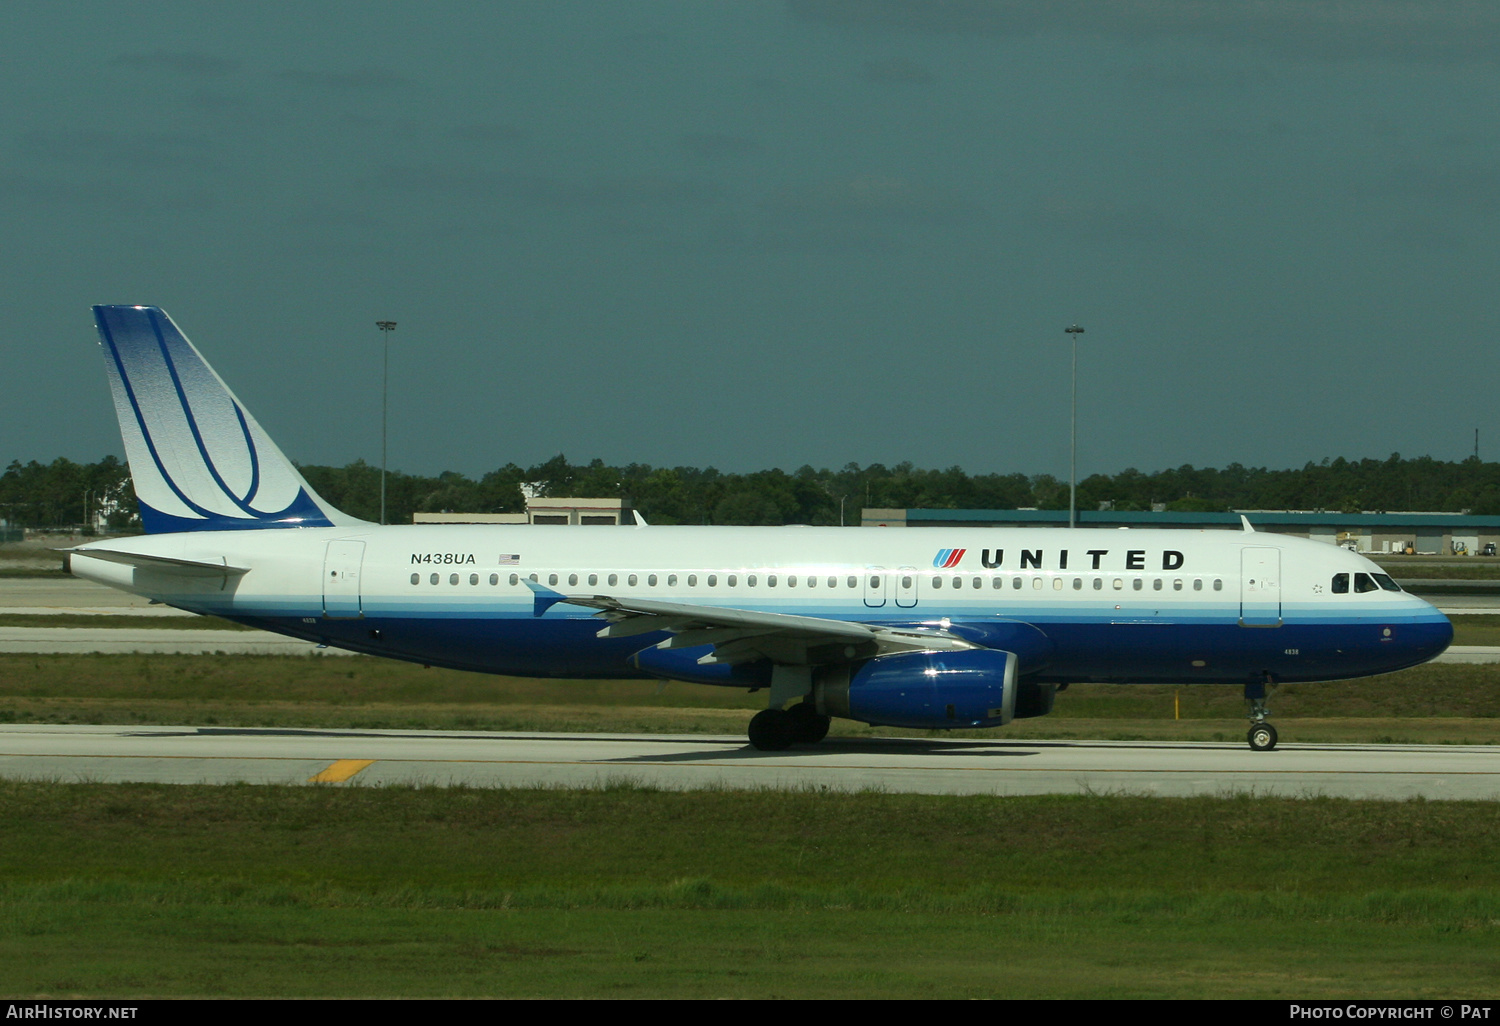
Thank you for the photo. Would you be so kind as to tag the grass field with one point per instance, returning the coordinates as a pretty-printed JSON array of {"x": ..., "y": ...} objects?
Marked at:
[
  {"x": 147, "y": 890},
  {"x": 1445, "y": 703},
  {"x": 139, "y": 890}
]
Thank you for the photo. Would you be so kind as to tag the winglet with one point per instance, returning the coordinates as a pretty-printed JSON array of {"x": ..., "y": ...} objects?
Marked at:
[
  {"x": 543, "y": 597},
  {"x": 1246, "y": 521}
]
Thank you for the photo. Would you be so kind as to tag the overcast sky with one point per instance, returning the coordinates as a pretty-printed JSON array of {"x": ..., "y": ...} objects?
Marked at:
[{"x": 767, "y": 232}]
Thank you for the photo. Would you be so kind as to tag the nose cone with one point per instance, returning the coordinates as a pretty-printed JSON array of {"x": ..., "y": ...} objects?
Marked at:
[{"x": 1425, "y": 639}]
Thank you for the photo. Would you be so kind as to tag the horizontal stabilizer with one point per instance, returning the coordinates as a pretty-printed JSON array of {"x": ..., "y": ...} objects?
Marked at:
[{"x": 164, "y": 564}]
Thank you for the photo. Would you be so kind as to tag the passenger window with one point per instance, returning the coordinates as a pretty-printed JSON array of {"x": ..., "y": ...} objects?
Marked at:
[
  {"x": 977, "y": 582},
  {"x": 1015, "y": 583},
  {"x": 1119, "y": 584},
  {"x": 812, "y": 582},
  {"x": 651, "y": 580},
  {"x": 1057, "y": 584},
  {"x": 853, "y": 582},
  {"x": 770, "y": 580},
  {"x": 750, "y": 580},
  {"x": 713, "y": 580},
  {"x": 958, "y": 580},
  {"x": 999, "y": 582},
  {"x": 435, "y": 578},
  {"x": 1177, "y": 584},
  {"x": 791, "y": 581},
  {"x": 1036, "y": 584},
  {"x": 416, "y": 578},
  {"x": 494, "y": 580},
  {"x": 1078, "y": 584},
  {"x": 593, "y": 580},
  {"x": 631, "y": 580},
  {"x": 1198, "y": 585},
  {"x": 905, "y": 583},
  {"x": 733, "y": 580},
  {"x": 1218, "y": 584},
  {"x": 515, "y": 579},
  {"x": 692, "y": 580},
  {"x": 671, "y": 580},
  {"x": 1098, "y": 583},
  {"x": 473, "y": 579},
  {"x": 937, "y": 583},
  {"x": 1137, "y": 584},
  {"x": 833, "y": 582},
  {"x": 1364, "y": 583},
  {"x": 453, "y": 579},
  {"x": 551, "y": 579},
  {"x": 572, "y": 580},
  {"x": 874, "y": 583},
  {"x": 614, "y": 580}
]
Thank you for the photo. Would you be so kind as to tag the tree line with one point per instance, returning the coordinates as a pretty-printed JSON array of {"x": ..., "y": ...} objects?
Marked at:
[{"x": 66, "y": 494}]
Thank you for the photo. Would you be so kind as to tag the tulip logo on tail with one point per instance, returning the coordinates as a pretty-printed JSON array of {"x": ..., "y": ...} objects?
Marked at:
[{"x": 947, "y": 559}]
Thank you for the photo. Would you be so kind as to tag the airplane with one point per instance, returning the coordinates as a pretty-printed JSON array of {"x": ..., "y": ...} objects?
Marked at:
[{"x": 962, "y": 628}]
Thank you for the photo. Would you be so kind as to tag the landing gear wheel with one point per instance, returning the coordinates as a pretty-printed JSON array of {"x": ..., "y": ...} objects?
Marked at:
[
  {"x": 1262, "y": 737},
  {"x": 772, "y": 730},
  {"x": 808, "y": 727}
]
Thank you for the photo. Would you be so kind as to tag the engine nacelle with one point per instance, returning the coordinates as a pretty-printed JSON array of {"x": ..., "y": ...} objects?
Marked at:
[{"x": 933, "y": 690}]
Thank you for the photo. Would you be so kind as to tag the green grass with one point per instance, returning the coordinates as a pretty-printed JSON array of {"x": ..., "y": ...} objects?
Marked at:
[
  {"x": 1417, "y": 568},
  {"x": 1443, "y": 703},
  {"x": 155, "y": 890}
]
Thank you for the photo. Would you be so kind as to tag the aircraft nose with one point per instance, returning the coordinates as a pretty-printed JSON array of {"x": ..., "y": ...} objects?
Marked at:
[{"x": 1423, "y": 640}]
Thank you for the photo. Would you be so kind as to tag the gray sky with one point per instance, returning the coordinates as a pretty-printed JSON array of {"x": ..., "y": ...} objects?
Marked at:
[{"x": 767, "y": 232}]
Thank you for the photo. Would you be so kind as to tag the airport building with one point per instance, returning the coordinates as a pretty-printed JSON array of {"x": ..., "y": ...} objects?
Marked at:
[
  {"x": 1373, "y": 533},
  {"x": 581, "y": 512}
]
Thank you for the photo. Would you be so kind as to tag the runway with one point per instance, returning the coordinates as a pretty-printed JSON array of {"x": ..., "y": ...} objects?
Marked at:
[{"x": 914, "y": 765}]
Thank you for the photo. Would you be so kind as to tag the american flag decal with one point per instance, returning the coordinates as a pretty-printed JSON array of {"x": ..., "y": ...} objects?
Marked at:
[{"x": 510, "y": 559}]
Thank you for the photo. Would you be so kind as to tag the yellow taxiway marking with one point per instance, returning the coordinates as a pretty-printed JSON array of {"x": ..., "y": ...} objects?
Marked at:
[{"x": 340, "y": 771}]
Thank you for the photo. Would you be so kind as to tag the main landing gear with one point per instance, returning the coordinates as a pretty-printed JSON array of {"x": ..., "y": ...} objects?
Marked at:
[
  {"x": 1262, "y": 735},
  {"x": 772, "y": 730}
]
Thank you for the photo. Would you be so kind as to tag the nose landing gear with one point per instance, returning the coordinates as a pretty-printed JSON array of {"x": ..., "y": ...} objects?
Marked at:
[{"x": 1262, "y": 735}]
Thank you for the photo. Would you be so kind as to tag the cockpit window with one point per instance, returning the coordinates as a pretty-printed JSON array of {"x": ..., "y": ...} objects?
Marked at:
[
  {"x": 1385, "y": 582},
  {"x": 1340, "y": 584},
  {"x": 1363, "y": 583}
]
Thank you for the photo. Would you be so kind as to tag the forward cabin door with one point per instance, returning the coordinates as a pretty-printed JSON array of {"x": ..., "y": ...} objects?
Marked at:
[
  {"x": 1260, "y": 587},
  {"x": 341, "y": 566}
]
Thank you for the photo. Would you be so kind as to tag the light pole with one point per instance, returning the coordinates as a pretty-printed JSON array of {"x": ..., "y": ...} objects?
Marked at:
[
  {"x": 386, "y": 327},
  {"x": 1073, "y": 333}
]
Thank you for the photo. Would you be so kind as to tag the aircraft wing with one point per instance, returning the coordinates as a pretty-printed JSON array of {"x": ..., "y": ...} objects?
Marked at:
[{"x": 746, "y": 635}]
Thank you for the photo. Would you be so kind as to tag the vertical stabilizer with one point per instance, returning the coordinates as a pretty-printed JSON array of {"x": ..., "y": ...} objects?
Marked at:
[{"x": 199, "y": 461}]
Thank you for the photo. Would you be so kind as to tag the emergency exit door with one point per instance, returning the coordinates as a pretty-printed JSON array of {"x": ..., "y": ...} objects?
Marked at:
[{"x": 341, "y": 566}]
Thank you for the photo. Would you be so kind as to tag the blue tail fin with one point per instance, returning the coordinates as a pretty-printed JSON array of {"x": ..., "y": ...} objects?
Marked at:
[{"x": 199, "y": 461}]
